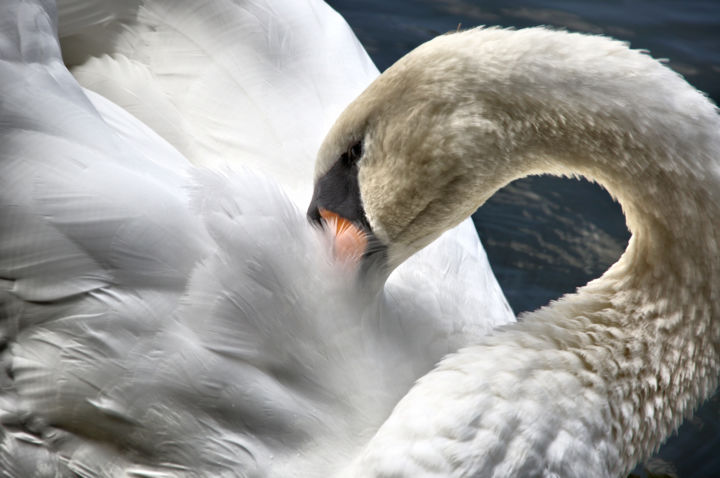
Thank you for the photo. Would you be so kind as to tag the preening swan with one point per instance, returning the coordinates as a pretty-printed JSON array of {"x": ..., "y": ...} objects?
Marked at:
[
  {"x": 142, "y": 330},
  {"x": 594, "y": 382},
  {"x": 255, "y": 83},
  {"x": 159, "y": 319}
]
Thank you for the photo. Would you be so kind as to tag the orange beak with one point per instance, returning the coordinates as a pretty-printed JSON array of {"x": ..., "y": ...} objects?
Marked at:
[{"x": 350, "y": 240}]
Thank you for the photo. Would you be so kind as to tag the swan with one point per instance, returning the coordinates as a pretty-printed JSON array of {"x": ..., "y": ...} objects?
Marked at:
[
  {"x": 163, "y": 319},
  {"x": 595, "y": 381},
  {"x": 257, "y": 84}
]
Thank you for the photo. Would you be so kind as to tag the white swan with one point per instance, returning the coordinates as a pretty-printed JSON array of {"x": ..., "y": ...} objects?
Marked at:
[
  {"x": 594, "y": 382},
  {"x": 163, "y": 320},
  {"x": 257, "y": 83}
]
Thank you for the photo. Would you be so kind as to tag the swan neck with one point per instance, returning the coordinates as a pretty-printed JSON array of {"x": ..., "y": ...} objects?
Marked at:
[
  {"x": 594, "y": 382},
  {"x": 648, "y": 328},
  {"x": 656, "y": 310}
]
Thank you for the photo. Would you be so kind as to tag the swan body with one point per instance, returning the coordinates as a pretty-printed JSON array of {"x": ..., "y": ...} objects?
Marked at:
[
  {"x": 160, "y": 319},
  {"x": 594, "y": 382},
  {"x": 256, "y": 84}
]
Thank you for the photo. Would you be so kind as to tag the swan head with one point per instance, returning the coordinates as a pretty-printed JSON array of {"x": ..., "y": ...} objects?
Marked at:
[{"x": 401, "y": 162}]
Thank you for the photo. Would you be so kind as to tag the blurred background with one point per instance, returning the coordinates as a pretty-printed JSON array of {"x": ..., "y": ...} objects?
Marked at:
[{"x": 546, "y": 236}]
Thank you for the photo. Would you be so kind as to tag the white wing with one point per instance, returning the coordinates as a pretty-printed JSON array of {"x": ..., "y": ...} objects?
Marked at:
[
  {"x": 250, "y": 82},
  {"x": 163, "y": 319},
  {"x": 259, "y": 83}
]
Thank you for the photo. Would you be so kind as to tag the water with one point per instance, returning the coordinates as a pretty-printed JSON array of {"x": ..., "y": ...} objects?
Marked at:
[{"x": 546, "y": 236}]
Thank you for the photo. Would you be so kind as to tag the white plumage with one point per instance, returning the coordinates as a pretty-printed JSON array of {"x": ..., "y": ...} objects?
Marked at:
[
  {"x": 164, "y": 320},
  {"x": 160, "y": 319}
]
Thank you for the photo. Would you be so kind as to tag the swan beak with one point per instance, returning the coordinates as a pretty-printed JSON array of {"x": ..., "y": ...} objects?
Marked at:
[
  {"x": 337, "y": 207},
  {"x": 350, "y": 241}
]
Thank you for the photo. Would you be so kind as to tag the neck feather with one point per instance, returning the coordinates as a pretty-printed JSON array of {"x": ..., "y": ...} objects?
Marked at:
[
  {"x": 649, "y": 328},
  {"x": 594, "y": 382}
]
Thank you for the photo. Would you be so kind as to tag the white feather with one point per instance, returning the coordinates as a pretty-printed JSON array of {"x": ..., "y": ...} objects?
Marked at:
[{"x": 164, "y": 320}]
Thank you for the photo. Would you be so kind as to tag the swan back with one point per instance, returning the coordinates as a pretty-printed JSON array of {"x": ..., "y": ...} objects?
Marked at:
[{"x": 252, "y": 83}]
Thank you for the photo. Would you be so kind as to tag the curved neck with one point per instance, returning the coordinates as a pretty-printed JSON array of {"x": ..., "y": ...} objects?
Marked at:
[
  {"x": 594, "y": 382},
  {"x": 649, "y": 328}
]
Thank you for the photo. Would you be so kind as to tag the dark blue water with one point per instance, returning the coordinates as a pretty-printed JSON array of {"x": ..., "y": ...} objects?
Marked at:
[{"x": 546, "y": 236}]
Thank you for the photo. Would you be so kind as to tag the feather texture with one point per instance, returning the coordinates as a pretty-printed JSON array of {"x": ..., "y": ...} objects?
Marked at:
[{"x": 160, "y": 319}]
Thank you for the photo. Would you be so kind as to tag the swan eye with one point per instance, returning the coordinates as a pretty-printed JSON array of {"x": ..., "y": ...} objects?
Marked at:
[{"x": 352, "y": 156}]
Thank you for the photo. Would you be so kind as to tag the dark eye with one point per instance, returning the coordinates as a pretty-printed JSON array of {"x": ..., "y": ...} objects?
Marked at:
[{"x": 353, "y": 154}]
